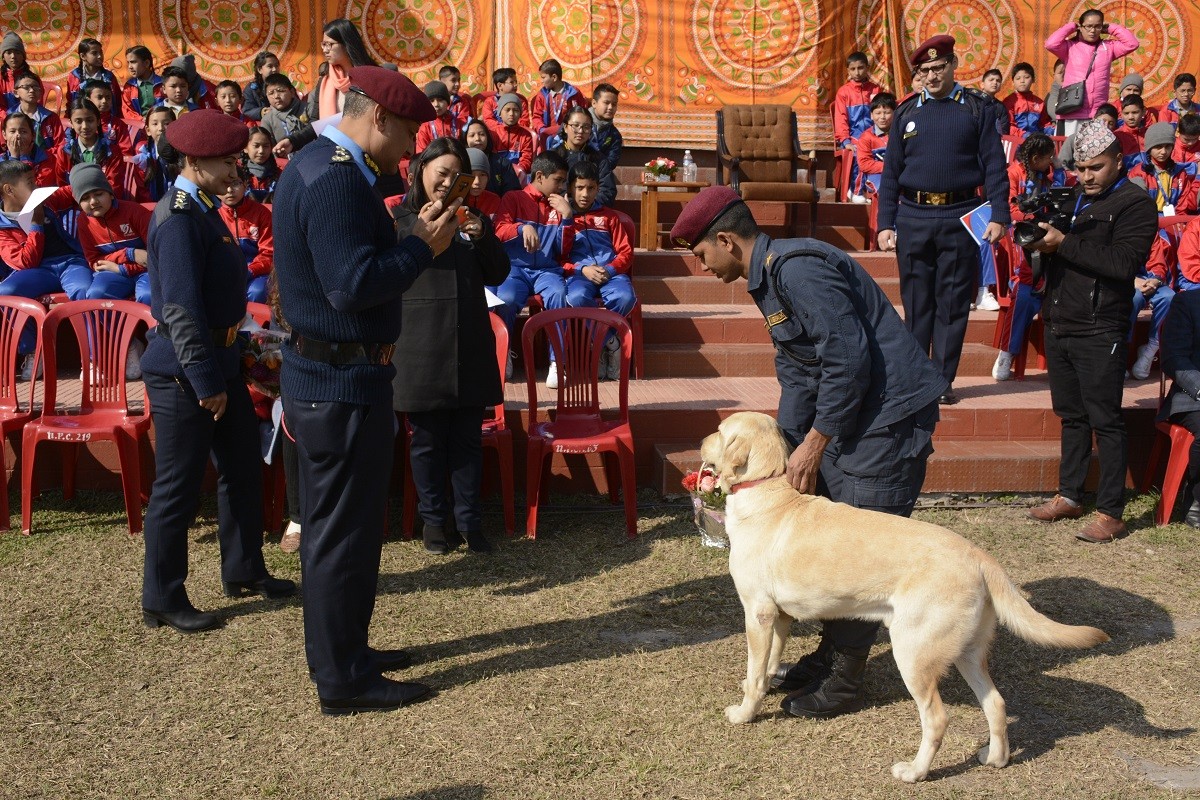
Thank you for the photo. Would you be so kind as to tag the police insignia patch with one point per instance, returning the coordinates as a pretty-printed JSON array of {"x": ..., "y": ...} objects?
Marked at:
[
  {"x": 776, "y": 319},
  {"x": 931, "y": 52},
  {"x": 371, "y": 164},
  {"x": 181, "y": 201},
  {"x": 682, "y": 242},
  {"x": 341, "y": 156}
]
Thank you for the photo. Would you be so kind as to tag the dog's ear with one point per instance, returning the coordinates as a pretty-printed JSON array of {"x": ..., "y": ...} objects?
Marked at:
[{"x": 737, "y": 453}]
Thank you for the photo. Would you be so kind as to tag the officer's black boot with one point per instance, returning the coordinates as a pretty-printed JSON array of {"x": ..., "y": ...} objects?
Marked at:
[
  {"x": 840, "y": 693},
  {"x": 807, "y": 673}
]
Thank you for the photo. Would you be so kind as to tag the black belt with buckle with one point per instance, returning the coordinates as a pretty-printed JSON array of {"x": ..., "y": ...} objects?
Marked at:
[
  {"x": 225, "y": 337},
  {"x": 343, "y": 354},
  {"x": 938, "y": 198}
]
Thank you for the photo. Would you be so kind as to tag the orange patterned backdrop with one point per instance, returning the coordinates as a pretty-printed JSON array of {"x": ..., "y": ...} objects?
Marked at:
[{"x": 674, "y": 61}]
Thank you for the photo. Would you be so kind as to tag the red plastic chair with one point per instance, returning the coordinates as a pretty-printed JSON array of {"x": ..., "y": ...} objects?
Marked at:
[
  {"x": 1180, "y": 441},
  {"x": 1006, "y": 254},
  {"x": 495, "y": 435},
  {"x": 15, "y": 314},
  {"x": 1010, "y": 144},
  {"x": 260, "y": 313},
  {"x": 103, "y": 329},
  {"x": 576, "y": 337}
]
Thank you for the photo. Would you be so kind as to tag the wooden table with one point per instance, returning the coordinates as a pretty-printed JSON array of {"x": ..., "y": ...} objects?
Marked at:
[{"x": 652, "y": 197}]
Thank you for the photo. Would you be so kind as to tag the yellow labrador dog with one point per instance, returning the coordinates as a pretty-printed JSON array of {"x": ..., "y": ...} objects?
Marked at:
[{"x": 795, "y": 556}]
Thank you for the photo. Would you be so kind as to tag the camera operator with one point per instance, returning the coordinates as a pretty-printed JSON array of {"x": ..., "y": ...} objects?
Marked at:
[{"x": 1089, "y": 300}]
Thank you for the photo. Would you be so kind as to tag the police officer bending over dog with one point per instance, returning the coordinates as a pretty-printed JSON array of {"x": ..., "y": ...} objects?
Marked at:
[{"x": 858, "y": 401}]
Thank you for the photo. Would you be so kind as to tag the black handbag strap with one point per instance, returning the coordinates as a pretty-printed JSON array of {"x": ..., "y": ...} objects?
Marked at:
[{"x": 1091, "y": 63}]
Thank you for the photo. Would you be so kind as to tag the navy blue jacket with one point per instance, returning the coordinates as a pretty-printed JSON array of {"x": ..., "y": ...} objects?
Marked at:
[
  {"x": 846, "y": 363},
  {"x": 341, "y": 272},
  {"x": 197, "y": 285},
  {"x": 1180, "y": 339}
]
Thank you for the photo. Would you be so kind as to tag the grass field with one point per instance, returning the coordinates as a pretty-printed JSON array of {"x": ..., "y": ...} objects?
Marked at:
[{"x": 576, "y": 666}]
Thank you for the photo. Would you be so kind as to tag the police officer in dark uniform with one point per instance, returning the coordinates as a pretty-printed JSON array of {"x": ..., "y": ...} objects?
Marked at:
[
  {"x": 341, "y": 273},
  {"x": 858, "y": 400},
  {"x": 944, "y": 145},
  {"x": 192, "y": 371}
]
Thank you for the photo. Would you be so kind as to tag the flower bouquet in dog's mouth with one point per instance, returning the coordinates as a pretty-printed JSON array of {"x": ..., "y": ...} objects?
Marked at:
[{"x": 708, "y": 506}]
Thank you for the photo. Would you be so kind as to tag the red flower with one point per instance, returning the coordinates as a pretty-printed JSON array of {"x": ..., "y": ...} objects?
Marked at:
[{"x": 690, "y": 480}]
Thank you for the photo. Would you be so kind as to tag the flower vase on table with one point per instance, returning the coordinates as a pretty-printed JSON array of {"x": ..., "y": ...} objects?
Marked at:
[
  {"x": 659, "y": 170},
  {"x": 708, "y": 506}
]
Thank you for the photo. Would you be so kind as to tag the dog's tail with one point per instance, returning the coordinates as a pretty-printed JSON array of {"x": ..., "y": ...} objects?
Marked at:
[{"x": 1025, "y": 621}]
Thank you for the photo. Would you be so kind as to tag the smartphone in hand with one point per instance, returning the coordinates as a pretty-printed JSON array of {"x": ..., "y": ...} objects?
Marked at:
[{"x": 460, "y": 188}]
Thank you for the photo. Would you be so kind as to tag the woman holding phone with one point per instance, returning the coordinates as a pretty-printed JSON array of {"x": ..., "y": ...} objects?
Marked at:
[{"x": 445, "y": 359}]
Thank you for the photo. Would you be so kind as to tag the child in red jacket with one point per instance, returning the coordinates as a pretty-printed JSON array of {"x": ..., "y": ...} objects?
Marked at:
[
  {"x": 113, "y": 234},
  {"x": 504, "y": 81},
  {"x": 144, "y": 87},
  {"x": 48, "y": 128},
  {"x": 1187, "y": 142},
  {"x": 445, "y": 124},
  {"x": 461, "y": 103},
  {"x": 1026, "y": 110},
  {"x": 480, "y": 198},
  {"x": 1181, "y": 104},
  {"x": 1132, "y": 131},
  {"x": 250, "y": 223},
  {"x": 112, "y": 125},
  {"x": 91, "y": 68},
  {"x": 85, "y": 143},
  {"x": 1171, "y": 185},
  {"x": 229, "y": 101},
  {"x": 550, "y": 106},
  {"x": 872, "y": 143},
  {"x": 19, "y": 146},
  {"x": 852, "y": 112},
  {"x": 512, "y": 139}
]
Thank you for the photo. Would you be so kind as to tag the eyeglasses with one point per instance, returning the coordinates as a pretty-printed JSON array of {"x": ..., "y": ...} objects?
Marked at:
[
  {"x": 580, "y": 127},
  {"x": 28, "y": 86},
  {"x": 1092, "y": 27},
  {"x": 934, "y": 69}
]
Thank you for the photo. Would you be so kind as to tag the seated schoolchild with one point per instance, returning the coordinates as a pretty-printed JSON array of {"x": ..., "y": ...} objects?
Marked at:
[
  {"x": 19, "y": 146},
  {"x": 175, "y": 90},
  {"x": 201, "y": 92},
  {"x": 597, "y": 258},
  {"x": 1172, "y": 186},
  {"x": 229, "y": 101},
  {"x": 112, "y": 124},
  {"x": 532, "y": 224},
  {"x": 503, "y": 177},
  {"x": 262, "y": 170},
  {"x": 91, "y": 68},
  {"x": 1026, "y": 110},
  {"x": 461, "y": 102},
  {"x": 445, "y": 124},
  {"x": 85, "y": 143},
  {"x": 872, "y": 144},
  {"x": 1132, "y": 85},
  {"x": 513, "y": 140},
  {"x": 480, "y": 199},
  {"x": 250, "y": 223},
  {"x": 47, "y": 126},
  {"x": 254, "y": 97},
  {"x": 13, "y": 65},
  {"x": 113, "y": 235},
  {"x": 1181, "y": 104},
  {"x": 1187, "y": 141},
  {"x": 1032, "y": 171},
  {"x": 154, "y": 174},
  {"x": 577, "y": 147},
  {"x": 286, "y": 116},
  {"x": 1132, "y": 131},
  {"x": 554, "y": 101},
  {"x": 606, "y": 138},
  {"x": 144, "y": 87},
  {"x": 1152, "y": 287},
  {"x": 504, "y": 81}
]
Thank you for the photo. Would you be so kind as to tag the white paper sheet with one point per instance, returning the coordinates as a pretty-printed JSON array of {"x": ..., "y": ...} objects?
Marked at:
[
  {"x": 322, "y": 124},
  {"x": 492, "y": 299},
  {"x": 25, "y": 218}
]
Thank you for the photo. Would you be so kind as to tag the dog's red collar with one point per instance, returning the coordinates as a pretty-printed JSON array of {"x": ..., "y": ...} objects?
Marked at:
[{"x": 737, "y": 487}]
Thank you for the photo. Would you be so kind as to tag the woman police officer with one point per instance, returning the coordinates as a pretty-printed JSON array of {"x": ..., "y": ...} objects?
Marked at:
[{"x": 197, "y": 396}]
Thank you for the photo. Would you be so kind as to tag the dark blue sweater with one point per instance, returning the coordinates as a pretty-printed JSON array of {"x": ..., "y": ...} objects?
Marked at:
[
  {"x": 950, "y": 144},
  {"x": 340, "y": 272}
]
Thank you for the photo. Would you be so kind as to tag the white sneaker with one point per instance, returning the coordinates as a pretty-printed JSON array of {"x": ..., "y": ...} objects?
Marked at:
[
  {"x": 610, "y": 360},
  {"x": 133, "y": 360},
  {"x": 859, "y": 199},
  {"x": 986, "y": 301},
  {"x": 27, "y": 368},
  {"x": 1002, "y": 369},
  {"x": 552, "y": 376},
  {"x": 1145, "y": 357}
]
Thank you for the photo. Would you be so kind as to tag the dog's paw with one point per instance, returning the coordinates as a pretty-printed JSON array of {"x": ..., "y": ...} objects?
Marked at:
[
  {"x": 986, "y": 757},
  {"x": 737, "y": 715},
  {"x": 906, "y": 772}
]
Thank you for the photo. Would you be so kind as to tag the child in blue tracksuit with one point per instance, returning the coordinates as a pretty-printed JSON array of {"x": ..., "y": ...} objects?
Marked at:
[{"x": 598, "y": 256}]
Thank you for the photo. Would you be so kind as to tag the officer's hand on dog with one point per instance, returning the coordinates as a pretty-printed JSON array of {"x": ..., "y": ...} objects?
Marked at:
[
  {"x": 887, "y": 241},
  {"x": 437, "y": 226},
  {"x": 804, "y": 464},
  {"x": 993, "y": 232},
  {"x": 216, "y": 404},
  {"x": 1050, "y": 242}
]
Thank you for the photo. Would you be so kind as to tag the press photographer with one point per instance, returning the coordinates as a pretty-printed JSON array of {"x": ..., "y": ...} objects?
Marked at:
[{"x": 1090, "y": 272}]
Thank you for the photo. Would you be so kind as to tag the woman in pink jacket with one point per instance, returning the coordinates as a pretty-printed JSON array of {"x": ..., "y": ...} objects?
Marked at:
[{"x": 1074, "y": 44}]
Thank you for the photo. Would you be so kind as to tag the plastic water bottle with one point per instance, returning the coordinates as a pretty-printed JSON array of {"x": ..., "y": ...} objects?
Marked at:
[{"x": 689, "y": 167}]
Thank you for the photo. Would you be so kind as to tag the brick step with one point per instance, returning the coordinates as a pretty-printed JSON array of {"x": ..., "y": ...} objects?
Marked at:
[
  {"x": 707, "y": 290},
  {"x": 680, "y": 263},
  {"x": 758, "y": 361},
  {"x": 980, "y": 465}
]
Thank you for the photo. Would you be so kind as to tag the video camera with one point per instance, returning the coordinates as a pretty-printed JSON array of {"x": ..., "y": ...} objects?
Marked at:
[{"x": 1050, "y": 206}]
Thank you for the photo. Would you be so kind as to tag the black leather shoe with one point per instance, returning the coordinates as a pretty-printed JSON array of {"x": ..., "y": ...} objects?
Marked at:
[
  {"x": 385, "y": 695},
  {"x": 389, "y": 660},
  {"x": 948, "y": 399},
  {"x": 1192, "y": 518},
  {"x": 807, "y": 673},
  {"x": 271, "y": 588},
  {"x": 478, "y": 543},
  {"x": 840, "y": 693},
  {"x": 438, "y": 540},
  {"x": 187, "y": 621}
]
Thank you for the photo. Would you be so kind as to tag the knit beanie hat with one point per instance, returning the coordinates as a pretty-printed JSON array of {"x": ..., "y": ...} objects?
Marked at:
[
  {"x": 479, "y": 160},
  {"x": 1091, "y": 139},
  {"x": 506, "y": 98},
  {"x": 188, "y": 64},
  {"x": 12, "y": 41},
  {"x": 1132, "y": 79},
  {"x": 436, "y": 90},
  {"x": 88, "y": 178},
  {"x": 1160, "y": 133}
]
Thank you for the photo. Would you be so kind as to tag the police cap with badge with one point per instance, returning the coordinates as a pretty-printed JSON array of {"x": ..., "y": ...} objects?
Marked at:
[{"x": 699, "y": 215}]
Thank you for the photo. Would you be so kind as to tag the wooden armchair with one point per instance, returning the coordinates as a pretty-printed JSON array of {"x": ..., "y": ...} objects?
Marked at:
[{"x": 760, "y": 148}]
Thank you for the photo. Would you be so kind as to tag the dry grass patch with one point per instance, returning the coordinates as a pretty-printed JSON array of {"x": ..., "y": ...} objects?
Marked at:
[{"x": 577, "y": 666}]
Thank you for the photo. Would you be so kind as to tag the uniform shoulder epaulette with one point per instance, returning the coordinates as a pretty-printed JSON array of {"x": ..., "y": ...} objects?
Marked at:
[
  {"x": 181, "y": 201},
  {"x": 979, "y": 94},
  {"x": 341, "y": 156}
]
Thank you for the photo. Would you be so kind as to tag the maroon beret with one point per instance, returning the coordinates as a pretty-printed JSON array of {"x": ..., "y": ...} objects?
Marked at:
[
  {"x": 207, "y": 133},
  {"x": 935, "y": 47},
  {"x": 393, "y": 91},
  {"x": 699, "y": 215}
]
